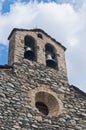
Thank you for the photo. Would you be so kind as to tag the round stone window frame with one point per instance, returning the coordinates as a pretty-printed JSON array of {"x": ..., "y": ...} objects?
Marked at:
[{"x": 48, "y": 97}]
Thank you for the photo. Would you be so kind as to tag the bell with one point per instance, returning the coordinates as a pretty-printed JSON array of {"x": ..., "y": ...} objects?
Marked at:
[
  {"x": 50, "y": 61},
  {"x": 29, "y": 53}
]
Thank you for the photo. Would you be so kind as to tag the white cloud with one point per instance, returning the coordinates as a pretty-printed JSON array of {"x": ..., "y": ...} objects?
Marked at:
[
  {"x": 75, "y": 3},
  {"x": 2, "y": 0},
  {"x": 61, "y": 21}
]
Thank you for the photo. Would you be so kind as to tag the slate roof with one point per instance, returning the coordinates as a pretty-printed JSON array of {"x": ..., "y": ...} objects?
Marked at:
[
  {"x": 6, "y": 66},
  {"x": 35, "y": 30},
  {"x": 78, "y": 90}
]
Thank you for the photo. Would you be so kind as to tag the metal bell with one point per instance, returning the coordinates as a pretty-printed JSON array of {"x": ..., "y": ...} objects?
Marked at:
[
  {"x": 50, "y": 61},
  {"x": 29, "y": 53}
]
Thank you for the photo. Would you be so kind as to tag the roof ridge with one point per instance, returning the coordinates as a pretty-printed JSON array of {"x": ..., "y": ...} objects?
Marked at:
[{"x": 34, "y": 30}]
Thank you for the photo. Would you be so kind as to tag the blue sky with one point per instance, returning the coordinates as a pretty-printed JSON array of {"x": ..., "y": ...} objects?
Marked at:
[{"x": 65, "y": 20}]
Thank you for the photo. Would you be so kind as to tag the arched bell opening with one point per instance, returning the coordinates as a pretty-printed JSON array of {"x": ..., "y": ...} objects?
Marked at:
[
  {"x": 50, "y": 53},
  {"x": 29, "y": 46}
]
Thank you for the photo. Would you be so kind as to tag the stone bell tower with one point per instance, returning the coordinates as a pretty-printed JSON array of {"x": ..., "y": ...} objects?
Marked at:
[
  {"x": 36, "y": 45},
  {"x": 39, "y": 64}
]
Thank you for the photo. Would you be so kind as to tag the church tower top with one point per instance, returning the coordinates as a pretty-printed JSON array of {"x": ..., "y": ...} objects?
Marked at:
[
  {"x": 34, "y": 30},
  {"x": 37, "y": 46}
]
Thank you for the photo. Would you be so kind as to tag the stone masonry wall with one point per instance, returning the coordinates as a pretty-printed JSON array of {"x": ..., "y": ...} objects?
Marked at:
[{"x": 17, "y": 89}]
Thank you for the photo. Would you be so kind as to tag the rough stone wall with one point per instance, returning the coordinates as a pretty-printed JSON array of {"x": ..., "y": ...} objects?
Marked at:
[{"x": 16, "y": 99}]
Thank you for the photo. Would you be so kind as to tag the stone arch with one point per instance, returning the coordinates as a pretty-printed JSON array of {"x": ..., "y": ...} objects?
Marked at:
[
  {"x": 48, "y": 102},
  {"x": 51, "y": 103}
]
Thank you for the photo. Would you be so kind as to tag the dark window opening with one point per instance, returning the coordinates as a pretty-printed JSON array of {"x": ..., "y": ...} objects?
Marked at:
[
  {"x": 42, "y": 108},
  {"x": 50, "y": 53},
  {"x": 29, "y": 48},
  {"x": 40, "y": 35}
]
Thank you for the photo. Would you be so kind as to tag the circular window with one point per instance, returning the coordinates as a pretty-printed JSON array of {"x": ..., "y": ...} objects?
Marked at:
[
  {"x": 42, "y": 108},
  {"x": 47, "y": 104}
]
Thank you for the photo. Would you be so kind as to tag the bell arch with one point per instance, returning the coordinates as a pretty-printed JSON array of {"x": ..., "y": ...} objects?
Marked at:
[
  {"x": 29, "y": 48},
  {"x": 51, "y": 57}
]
